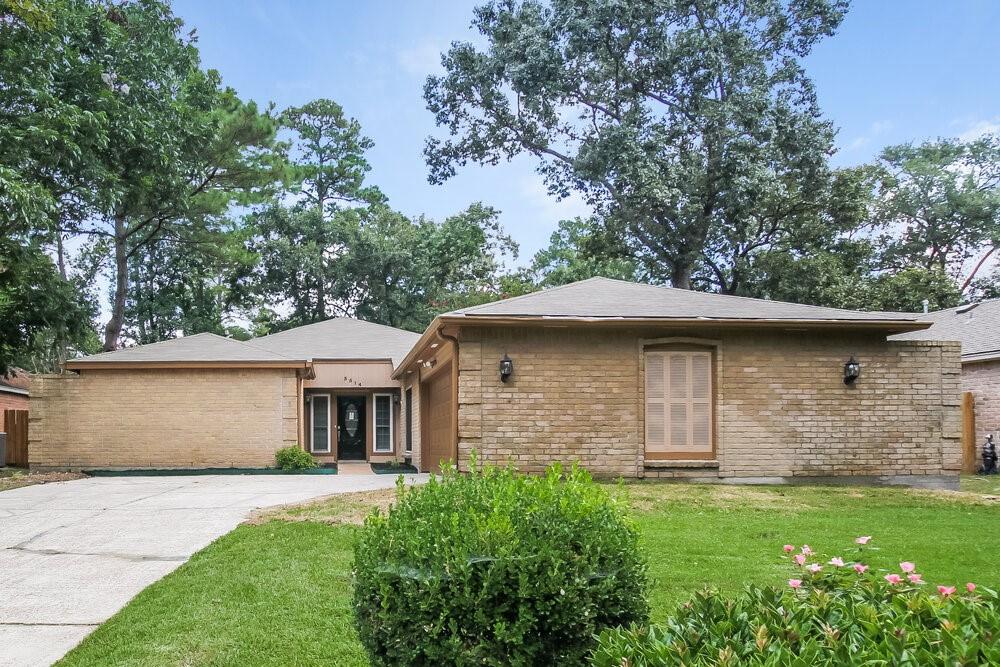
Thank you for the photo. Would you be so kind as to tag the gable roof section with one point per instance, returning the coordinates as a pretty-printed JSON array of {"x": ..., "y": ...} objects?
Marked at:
[
  {"x": 15, "y": 382},
  {"x": 341, "y": 338},
  {"x": 604, "y": 301},
  {"x": 203, "y": 348},
  {"x": 976, "y": 326},
  {"x": 604, "y": 298}
]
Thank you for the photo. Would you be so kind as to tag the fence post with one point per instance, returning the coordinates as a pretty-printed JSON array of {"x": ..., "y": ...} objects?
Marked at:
[{"x": 968, "y": 433}]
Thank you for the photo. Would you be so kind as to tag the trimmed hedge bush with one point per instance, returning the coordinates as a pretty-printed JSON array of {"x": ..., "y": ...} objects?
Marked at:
[
  {"x": 294, "y": 458},
  {"x": 832, "y": 613},
  {"x": 496, "y": 568}
]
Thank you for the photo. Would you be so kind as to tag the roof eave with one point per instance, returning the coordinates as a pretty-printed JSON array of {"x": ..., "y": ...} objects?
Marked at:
[
  {"x": 422, "y": 342},
  {"x": 981, "y": 356},
  {"x": 887, "y": 325},
  {"x": 83, "y": 364}
]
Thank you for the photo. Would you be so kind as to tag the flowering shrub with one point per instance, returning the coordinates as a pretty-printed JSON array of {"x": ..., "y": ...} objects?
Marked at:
[
  {"x": 496, "y": 568},
  {"x": 833, "y": 611}
]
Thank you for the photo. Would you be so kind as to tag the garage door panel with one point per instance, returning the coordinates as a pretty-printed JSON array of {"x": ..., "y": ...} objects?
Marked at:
[{"x": 437, "y": 439}]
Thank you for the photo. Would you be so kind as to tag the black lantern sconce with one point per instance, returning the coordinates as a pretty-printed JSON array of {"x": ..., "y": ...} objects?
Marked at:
[
  {"x": 506, "y": 368},
  {"x": 852, "y": 369}
]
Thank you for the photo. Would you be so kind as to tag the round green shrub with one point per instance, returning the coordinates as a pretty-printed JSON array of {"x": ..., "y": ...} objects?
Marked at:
[
  {"x": 294, "y": 458},
  {"x": 496, "y": 568}
]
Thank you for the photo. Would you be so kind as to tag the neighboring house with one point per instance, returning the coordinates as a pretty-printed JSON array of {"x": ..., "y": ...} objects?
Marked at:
[
  {"x": 13, "y": 393},
  {"x": 977, "y": 327},
  {"x": 627, "y": 379}
]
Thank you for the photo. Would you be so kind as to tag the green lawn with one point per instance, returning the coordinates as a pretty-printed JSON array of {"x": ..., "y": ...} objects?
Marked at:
[{"x": 277, "y": 592}]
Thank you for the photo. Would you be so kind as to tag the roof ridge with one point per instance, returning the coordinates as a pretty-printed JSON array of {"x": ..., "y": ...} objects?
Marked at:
[
  {"x": 544, "y": 290},
  {"x": 757, "y": 299},
  {"x": 963, "y": 305},
  {"x": 247, "y": 343},
  {"x": 473, "y": 309},
  {"x": 334, "y": 319}
]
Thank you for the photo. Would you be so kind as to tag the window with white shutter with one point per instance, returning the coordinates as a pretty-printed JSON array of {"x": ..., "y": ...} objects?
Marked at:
[{"x": 678, "y": 404}]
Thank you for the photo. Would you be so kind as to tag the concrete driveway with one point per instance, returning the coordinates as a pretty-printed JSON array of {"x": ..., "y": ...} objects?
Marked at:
[{"x": 74, "y": 553}]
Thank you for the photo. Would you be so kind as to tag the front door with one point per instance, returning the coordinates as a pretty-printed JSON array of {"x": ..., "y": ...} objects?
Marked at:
[{"x": 351, "y": 428}]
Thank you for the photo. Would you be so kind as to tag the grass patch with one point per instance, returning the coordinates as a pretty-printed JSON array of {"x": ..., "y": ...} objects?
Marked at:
[
  {"x": 15, "y": 478},
  {"x": 982, "y": 484},
  {"x": 277, "y": 591}
]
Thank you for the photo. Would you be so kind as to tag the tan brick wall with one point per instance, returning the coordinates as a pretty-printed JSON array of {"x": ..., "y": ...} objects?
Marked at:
[
  {"x": 162, "y": 418},
  {"x": 983, "y": 380},
  {"x": 782, "y": 409}
]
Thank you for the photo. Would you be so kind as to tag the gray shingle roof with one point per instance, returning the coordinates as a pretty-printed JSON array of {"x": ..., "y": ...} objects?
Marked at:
[
  {"x": 341, "y": 338},
  {"x": 200, "y": 347},
  {"x": 607, "y": 298},
  {"x": 976, "y": 327}
]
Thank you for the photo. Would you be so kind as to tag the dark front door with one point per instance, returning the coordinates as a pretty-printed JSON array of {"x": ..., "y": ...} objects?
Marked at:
[{"x": 351, "y": 428}]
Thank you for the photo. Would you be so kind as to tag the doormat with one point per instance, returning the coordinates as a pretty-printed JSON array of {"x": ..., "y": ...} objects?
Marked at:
[
  {"x": 179, "y": 472},
  {"x": 390, "y": 468}
]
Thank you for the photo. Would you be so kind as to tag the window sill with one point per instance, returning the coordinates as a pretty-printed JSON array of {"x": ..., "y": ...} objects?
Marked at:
[{"x": 680, "y": 463}]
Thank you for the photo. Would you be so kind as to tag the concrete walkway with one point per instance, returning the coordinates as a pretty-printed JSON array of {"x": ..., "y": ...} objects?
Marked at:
[{"x": 74, "y": 553}]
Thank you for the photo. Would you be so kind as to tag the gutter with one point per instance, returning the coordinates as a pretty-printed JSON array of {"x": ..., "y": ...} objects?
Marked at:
[
  {"x": 891, "y": 326},
  {"x": 79, "y": 365}
]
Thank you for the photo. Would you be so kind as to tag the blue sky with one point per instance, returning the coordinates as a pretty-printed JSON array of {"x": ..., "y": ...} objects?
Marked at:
[{"x": 898, "y": 70}]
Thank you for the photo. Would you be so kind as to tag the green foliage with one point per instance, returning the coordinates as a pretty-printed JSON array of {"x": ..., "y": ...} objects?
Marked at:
[
  {"x": 38, "y": 309},
  {"x": 692, "y": 125},
  {"x": 833, "y": 616},
  {"x": 496, "y": 568},
  {"x": 294, "y": 458},
  {"x": 579, "y": 249},
  {"x": 940, "y": 204}
]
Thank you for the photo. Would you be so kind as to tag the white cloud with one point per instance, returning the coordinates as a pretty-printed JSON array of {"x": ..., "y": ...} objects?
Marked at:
[
  {"x": 979, "y": 128},
  {"x": 875, "y": 130},
  {"x": 421, "y": 59}
]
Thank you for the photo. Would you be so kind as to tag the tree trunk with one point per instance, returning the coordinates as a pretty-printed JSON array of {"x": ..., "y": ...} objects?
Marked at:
[
  {"x": 60, "y": 342},
  {"x": 114, "y": 327},
  {"x": 60, "y": 255},
  {"x": 680, "y": 276}
]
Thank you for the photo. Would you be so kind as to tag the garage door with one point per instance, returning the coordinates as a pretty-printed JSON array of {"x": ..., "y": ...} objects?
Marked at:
[{"x": 437, "y": 438}]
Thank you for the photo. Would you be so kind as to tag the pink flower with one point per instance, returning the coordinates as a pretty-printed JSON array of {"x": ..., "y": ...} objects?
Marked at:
[
  {"x": 970, "y": 587},
  {"x": 946, "y": 590},
  {"x": 864, "y": 539},
  {"x": 915, "y": 578},
  {"x": 814, "y": 568},
  {"x": 893, "y": 578},
  {"x": 907, "y": 566},
  {"x": 837, "y": 560},
  {"x": 806, "y": 550},
  {"x": 799, "y": 559},
  {"x": 795, "y": 583},
  {"x": 859, "y": 568},
  {"x": 788, "y": 548}
]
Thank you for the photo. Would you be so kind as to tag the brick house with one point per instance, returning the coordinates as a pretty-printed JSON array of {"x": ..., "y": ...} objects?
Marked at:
[
  {"x": 13, "y": 393},
  {"x": 630, "y": 380},
  {"x": 977, "y": 327}
]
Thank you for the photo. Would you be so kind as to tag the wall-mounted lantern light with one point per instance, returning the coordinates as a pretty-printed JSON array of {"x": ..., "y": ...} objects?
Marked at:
[
  {"x": 852, "y": 369},
  {"x": 506, "y": 367}
]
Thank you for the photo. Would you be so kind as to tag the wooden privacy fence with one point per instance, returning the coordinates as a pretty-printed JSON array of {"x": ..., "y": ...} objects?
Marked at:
[
  {"x": 968, "y": 433},
  {"x": 16, "y": 426}
]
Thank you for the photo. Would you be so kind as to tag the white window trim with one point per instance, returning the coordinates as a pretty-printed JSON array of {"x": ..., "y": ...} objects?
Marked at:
[
  {"x": 408, "y": 404},
  {"x": 375, "y": 448},
  {"x": 312, "y": 425}
]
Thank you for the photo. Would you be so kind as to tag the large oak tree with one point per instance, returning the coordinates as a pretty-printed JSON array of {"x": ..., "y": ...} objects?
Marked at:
[{"x": 683, "y": 121}]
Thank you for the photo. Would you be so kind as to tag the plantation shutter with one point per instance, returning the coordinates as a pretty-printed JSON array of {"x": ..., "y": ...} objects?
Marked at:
[{"x": 679, "y": 402}]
